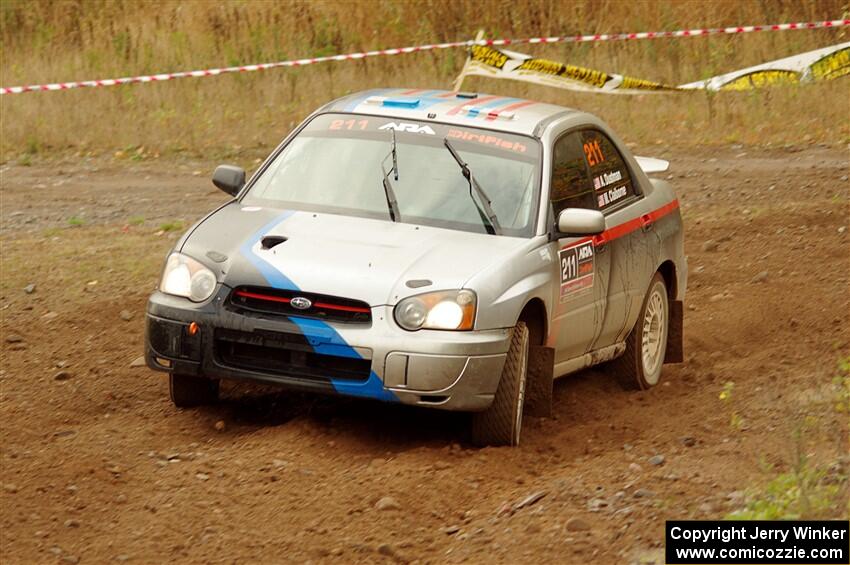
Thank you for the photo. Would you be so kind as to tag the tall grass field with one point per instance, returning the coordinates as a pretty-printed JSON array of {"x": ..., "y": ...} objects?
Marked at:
[{"x": 243, "y": 115}]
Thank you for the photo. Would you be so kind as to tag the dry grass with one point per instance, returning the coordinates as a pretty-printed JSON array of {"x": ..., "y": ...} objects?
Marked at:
[{"x": 243, "y": 115}]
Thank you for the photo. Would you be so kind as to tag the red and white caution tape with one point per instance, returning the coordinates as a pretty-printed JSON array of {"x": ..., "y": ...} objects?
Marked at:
[
  {"x": 678, "y": 33},
  {"x": 415, "y": 49}
]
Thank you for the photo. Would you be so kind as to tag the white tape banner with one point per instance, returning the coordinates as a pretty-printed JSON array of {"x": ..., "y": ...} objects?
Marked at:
[{"x": 821, "y": 64}]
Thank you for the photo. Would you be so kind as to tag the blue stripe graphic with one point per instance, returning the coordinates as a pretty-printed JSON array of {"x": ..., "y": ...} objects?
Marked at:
[
  {"x": 430, "y": 98},
  {"x": 322, "y": 337},
  {"x": 274, "y": 277},
  {"x": 477, "y": 110}
]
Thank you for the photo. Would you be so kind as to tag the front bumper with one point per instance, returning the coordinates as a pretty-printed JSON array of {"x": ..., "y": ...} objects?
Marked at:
[{"x": 439, "y": 369}]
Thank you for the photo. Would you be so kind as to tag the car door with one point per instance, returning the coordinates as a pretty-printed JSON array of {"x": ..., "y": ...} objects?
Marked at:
[
  {"x": 627, "y": 233},
  {"x": 583, "y": 269}
]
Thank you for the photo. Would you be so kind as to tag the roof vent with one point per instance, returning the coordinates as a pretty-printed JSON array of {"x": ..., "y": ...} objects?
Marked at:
[
  {"x": 401, "y": 102},
  {"x": 467, "y": 95}
]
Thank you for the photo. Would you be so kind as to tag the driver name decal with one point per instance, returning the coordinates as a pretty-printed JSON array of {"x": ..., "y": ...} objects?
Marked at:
[
  {"x": 611, "y": 196},
  {"x": 576, "y": 265},
  {"x": 603, "y": 180}
]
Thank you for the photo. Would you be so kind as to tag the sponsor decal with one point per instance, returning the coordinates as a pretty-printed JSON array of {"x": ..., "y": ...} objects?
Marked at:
[
  {"x": 410, "y": 128},
  {"x": 577, "y": 264},
  {"x": 488, "y": 139}
]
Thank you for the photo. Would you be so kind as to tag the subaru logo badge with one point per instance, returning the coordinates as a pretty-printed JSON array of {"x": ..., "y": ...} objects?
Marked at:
[{"x": 300, "y": 303}]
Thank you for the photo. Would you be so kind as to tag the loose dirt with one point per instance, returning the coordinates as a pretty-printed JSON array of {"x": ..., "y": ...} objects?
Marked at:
[{"x": 98, "y": 466}]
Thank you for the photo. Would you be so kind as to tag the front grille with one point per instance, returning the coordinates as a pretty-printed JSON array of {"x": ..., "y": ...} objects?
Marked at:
[
  {"x": 277, "y": 302},
  {"x": 287, "y": 355}
]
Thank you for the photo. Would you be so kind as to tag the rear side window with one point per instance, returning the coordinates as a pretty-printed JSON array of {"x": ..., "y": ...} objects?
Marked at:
[
  {"x": 570, "y": 187},
  {"x": 608, "y": 172}
]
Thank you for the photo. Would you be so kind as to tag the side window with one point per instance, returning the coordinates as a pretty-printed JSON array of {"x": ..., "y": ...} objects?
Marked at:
[
  {"x": 608, "y": 172},
  {"x": 570, "y": 187}
]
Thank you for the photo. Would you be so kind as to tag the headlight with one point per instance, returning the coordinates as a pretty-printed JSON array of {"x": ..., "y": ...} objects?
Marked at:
[
  {"x": 183, "y": 276},
  {"x": 445, "y": 310}
]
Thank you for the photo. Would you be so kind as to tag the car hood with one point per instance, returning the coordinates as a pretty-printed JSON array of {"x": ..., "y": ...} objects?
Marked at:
[{"x": 351, "y": 257}]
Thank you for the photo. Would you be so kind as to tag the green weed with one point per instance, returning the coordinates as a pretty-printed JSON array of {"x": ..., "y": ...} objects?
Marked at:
[
  {"x": 174, "y": 225},
  {"x": 736, "y": 421},
  {"x": 806, "y": 493},
  {"x": 808, "y": 490}
]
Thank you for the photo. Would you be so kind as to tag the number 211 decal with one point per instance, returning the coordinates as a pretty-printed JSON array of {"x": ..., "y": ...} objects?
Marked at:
[
  {"x": 576, "y": 265},
  {"x": 593, "y": 152}
]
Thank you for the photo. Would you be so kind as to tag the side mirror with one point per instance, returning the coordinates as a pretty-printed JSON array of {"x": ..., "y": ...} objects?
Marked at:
[
  {"x": 229, "y": 178},
  {"x": 579, "y": 221}
]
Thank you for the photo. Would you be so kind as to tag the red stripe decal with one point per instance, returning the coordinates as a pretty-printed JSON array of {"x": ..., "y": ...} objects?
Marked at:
[
  {"x": 472, "y": 102},
  {"x": 493, "y": 115},
  {"x": 414, "y": 91},
  {"x": 629, "y": 226}
]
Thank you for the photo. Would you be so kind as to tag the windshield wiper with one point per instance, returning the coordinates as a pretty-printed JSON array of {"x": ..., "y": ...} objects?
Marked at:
[
  {"x": 392, "y": 203},
  {"x": 485, "y": 208}
]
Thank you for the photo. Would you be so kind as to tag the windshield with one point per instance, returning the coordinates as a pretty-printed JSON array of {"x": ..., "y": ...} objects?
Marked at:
[{"x": 334, "y": 165}]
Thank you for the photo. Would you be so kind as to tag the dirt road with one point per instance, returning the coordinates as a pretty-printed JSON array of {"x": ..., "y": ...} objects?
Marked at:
[{"x": 98, "y": 466}]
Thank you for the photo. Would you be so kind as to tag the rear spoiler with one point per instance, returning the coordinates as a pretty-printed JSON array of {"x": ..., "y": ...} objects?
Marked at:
[{"x": 651, "y": 165}]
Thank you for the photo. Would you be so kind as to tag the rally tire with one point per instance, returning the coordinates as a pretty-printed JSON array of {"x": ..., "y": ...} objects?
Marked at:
[
  {"x": 187, "y": 391},
  {"x": 639, "y": 368},
  {"x": 501, "y": 423}
]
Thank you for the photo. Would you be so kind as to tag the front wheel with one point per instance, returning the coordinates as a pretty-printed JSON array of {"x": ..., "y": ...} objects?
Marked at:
[
  {"x": 501, "y": 423},
  {"x": 640, "y": 365},
  {"x": 187, "y": 391}
]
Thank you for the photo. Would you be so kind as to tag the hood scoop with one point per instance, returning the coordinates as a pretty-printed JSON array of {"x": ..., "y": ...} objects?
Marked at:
[{"x": 270, "y": 241}]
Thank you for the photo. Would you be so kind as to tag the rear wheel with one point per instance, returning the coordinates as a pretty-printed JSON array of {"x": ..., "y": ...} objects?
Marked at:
[
  {"x": 187, "y": 390},
  {"x": 640, "y": 365},
  {"x": 501, "y": 423}
]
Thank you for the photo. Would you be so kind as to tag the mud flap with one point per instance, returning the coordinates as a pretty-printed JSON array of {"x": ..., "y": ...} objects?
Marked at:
[
  {"x": 675, "y": 334},
  {"x": 539, "y": 381}
]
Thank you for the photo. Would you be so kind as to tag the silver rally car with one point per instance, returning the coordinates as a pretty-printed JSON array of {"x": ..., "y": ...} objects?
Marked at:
[{"x": 450, "y": 250}]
